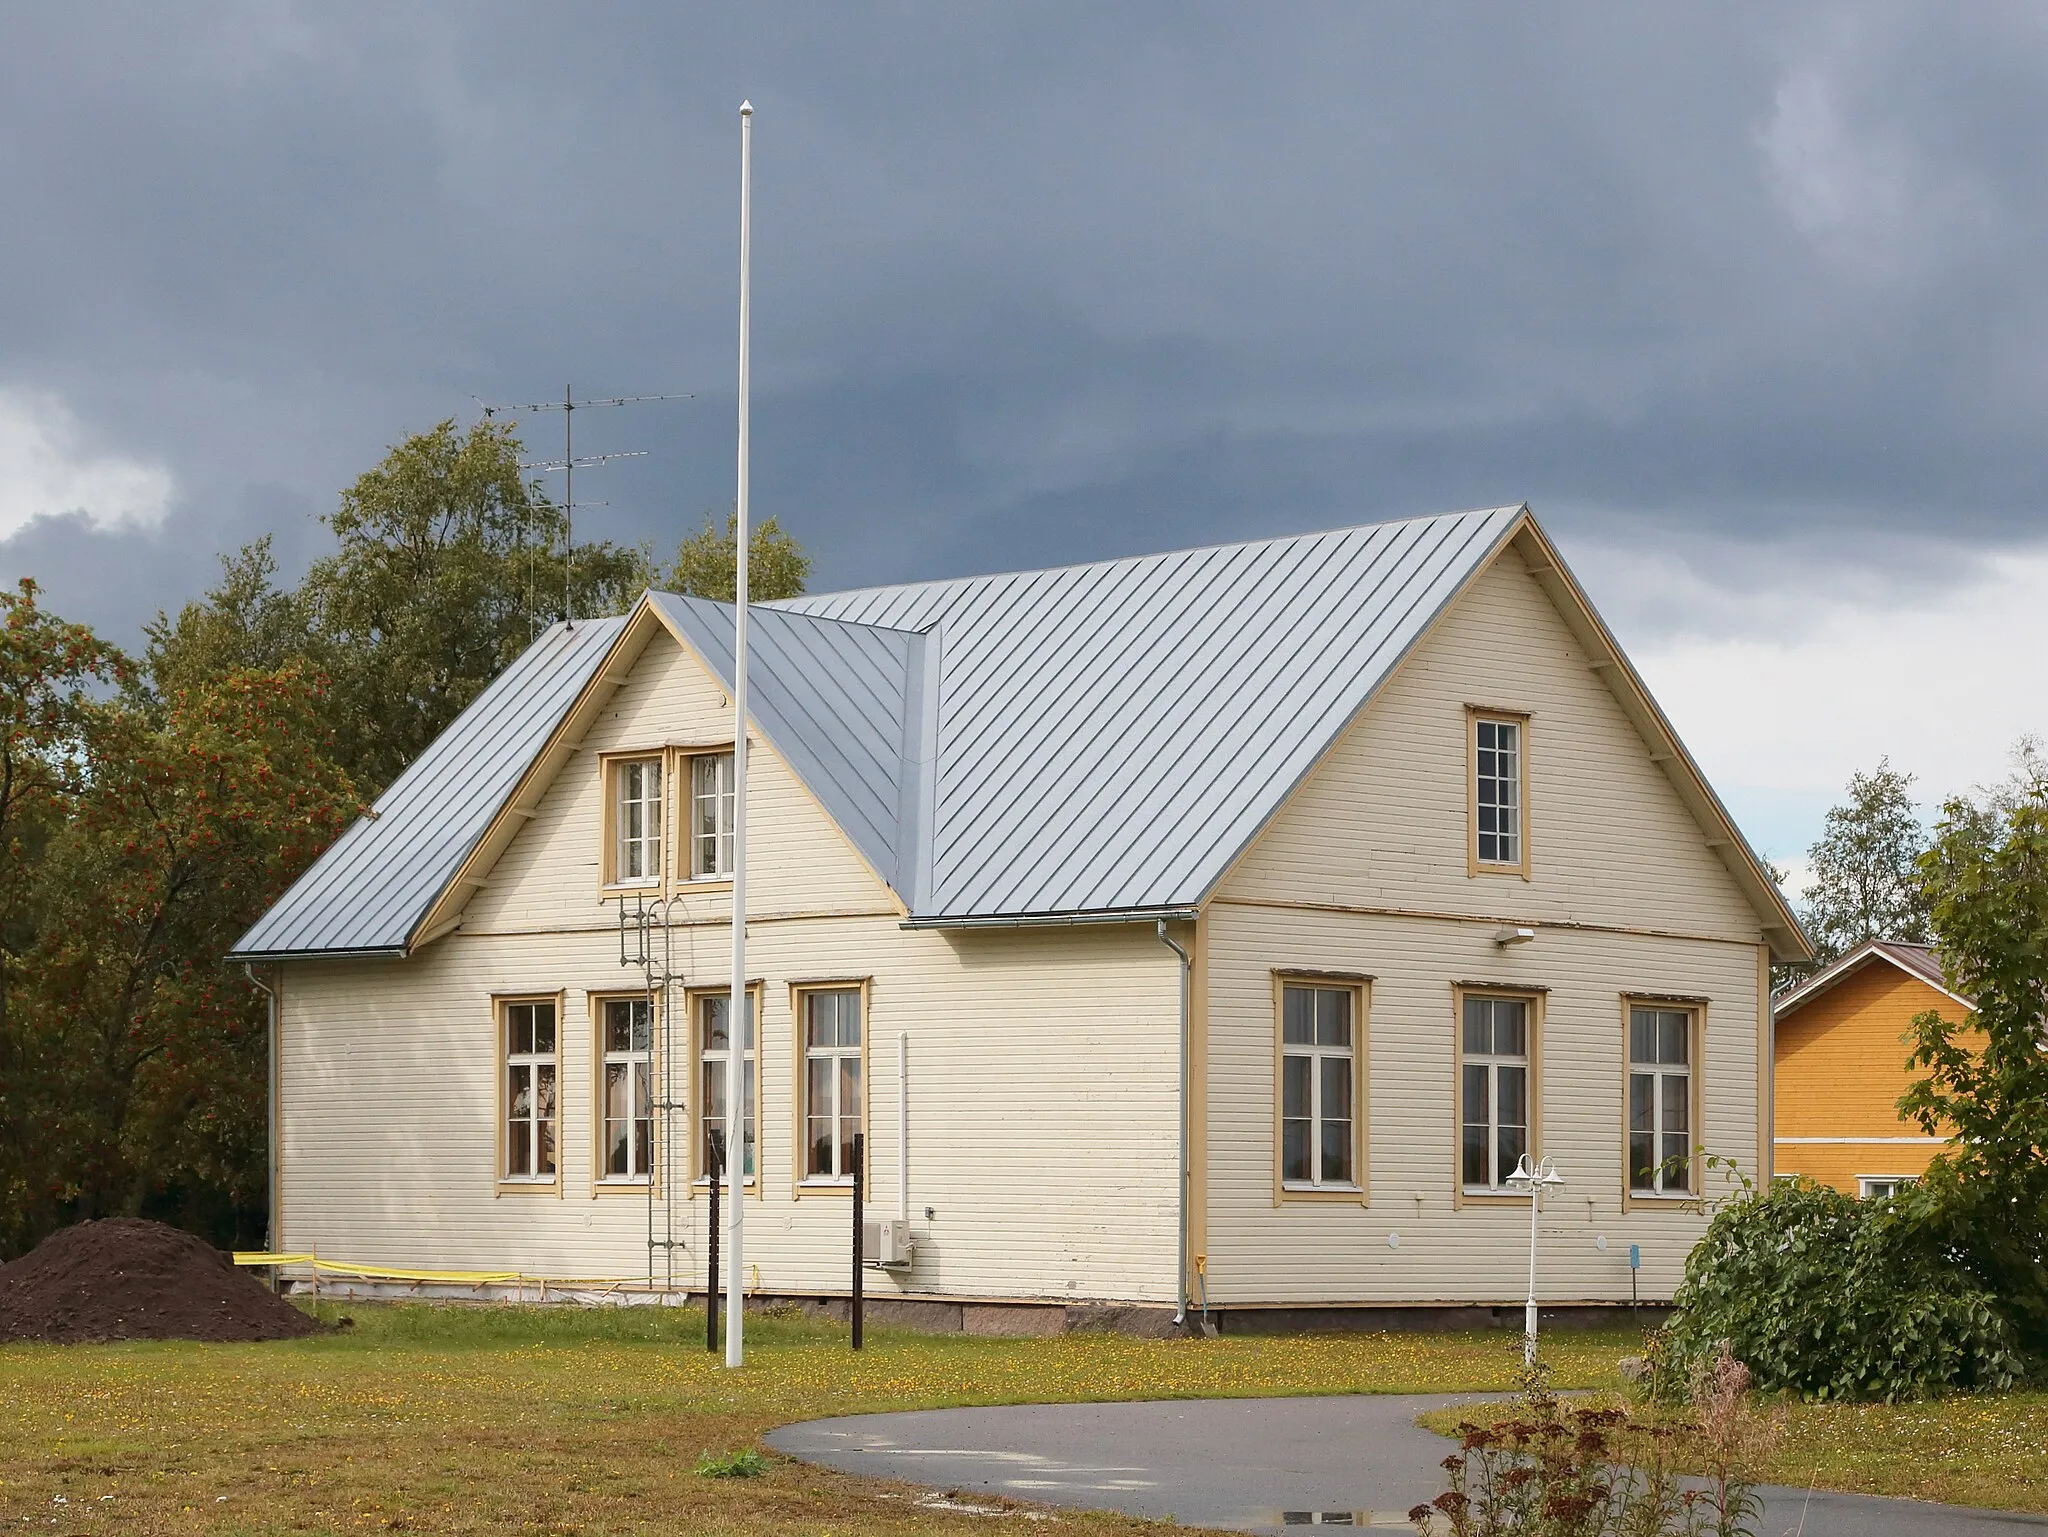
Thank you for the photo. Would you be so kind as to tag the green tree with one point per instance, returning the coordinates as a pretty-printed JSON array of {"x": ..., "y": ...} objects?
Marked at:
[
  {"x": 1866, "y": 868},
  {"x": 447, "y": 562},
  {"x": 1985, "y": 1080},
  {"x": 707, "y": 562},
  {"x": 50, "y": 672}
]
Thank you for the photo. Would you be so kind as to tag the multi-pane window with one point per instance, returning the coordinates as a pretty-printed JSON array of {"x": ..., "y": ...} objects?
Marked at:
[
  {"x": 530, "y": 1079},
  {"x": 636, "y": 805},
  {"x": 710, "y": 815},
  {"x": 1497, "y": 790},
  {"x": 1317, "y": 1076},
  {"x": 1494, "y": 1113},
  {"x": 714, "y": 1036},
  {"x": 832, "y": 1086},
  {"x": 1882, "y": 1187},
  {"x": 626, "y": 1041},
  {"x": 1660, "y": 1100}
]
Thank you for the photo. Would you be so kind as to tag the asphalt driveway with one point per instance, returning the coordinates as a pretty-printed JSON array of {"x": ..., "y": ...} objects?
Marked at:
[{"x": 1253, "y": 1464}]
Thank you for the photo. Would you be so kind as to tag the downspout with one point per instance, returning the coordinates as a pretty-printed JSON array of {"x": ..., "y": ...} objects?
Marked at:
[
  {"x": 270, "y": 1209},
  {"x": 1180, "y": 1314}
]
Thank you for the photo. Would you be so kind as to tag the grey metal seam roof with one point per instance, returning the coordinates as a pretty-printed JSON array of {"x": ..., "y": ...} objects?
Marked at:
[
  {"x": 1090, "y": 739},
  {"x": 833, "y": 699},
  {"x": 1110, "y": 736},
  {"x": 370, "y": 889}
]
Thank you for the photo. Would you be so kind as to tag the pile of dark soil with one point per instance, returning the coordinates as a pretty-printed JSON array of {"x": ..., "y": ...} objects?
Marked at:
[{"x": 126, "y": 1279}]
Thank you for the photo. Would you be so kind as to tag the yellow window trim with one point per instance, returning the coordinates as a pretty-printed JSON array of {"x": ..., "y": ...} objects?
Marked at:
[
  {"x": 799, "y": 1183},
  {"x": 1474, "y": 714},
  {"x": 1689, "y": 1199},
  {"x": 499, "y": 1180},
  {"x": 682, "y": 766},
  {"x": 600, "y": 1186},
  {"x": 1359, "y": 986},
  {"x": 757, "y": 1185},
  {"x": 1537, "y": 998}
]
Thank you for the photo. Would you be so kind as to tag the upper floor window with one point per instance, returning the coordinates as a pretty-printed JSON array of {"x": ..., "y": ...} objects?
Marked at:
[
  {"x": 1493, "y": 1089},
  {"x": 711, "y": 808},
  {"x": 1660, "y": 1129},
  {"x": 531, "y": 1068},
  {"x": 626, "y": 1052},
  {"x": 1318, "y": 1087},
  {"x": 636, "y": 821},
  {"x": 832, "y": 1081},
  {"x": 1499, "y": 793}
]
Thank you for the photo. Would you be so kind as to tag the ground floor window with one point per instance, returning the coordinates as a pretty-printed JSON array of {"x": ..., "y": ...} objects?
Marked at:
[
  {"x": 531, "y": 1073},
  {"x": 1494, "y": 1102},
  {"x": 1882, "y": 1187},
  {"x": 1661, "y": 1134},
  {"x": 1318, "y": 1086},
  {"x": 714, "y": 1051},
  {"x": 830, "y": 1019},
  {"x": 626, "y": 1089}
]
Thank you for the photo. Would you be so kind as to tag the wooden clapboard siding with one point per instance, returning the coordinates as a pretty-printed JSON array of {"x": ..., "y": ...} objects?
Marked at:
[
  {"x": 1042, "y": 1121},
  {"x": 1365, "y": 870},
  {"x": 1382, "y": 822},
  {"x": 1840, "y": 1071},
  {"x": 1268, "y": 1251}
]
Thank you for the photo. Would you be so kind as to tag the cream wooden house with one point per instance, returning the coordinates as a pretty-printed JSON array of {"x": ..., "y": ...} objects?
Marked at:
[{"x": 1240, "y": 914}]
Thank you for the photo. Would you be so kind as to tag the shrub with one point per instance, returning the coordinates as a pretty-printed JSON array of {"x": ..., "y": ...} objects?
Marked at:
[
  {"x": 1551, "y": 1471},
  {"x": 1834, "y": 1298}
]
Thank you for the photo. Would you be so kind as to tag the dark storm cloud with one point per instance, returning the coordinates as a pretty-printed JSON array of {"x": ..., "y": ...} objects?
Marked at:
[{"x": 1759, "y": 288}]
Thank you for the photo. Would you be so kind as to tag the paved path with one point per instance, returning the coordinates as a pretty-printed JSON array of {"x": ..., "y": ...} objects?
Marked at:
[{"x": 1253, "y": 1464}]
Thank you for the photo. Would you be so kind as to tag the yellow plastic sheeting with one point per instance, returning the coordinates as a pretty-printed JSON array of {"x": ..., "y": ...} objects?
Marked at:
[{"x": 388, "y": 1273}]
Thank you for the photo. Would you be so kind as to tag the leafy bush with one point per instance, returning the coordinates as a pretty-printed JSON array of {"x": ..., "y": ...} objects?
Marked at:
[{"x": 1835, "y": 1298}]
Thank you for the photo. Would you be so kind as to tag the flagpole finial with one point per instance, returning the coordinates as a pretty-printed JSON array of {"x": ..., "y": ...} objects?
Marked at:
[{"x": 746, "y": 109}]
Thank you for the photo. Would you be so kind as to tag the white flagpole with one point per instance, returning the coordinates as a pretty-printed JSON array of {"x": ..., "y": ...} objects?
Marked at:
[{"x": 736, "y": 1002}]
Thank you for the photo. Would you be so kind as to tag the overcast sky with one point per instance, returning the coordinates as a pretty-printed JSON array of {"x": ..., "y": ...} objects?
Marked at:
[{"x": 1748, "y": 304}]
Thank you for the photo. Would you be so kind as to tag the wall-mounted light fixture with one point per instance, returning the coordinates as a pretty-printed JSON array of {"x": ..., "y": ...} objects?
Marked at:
[{"x": 1513, "y": 936}]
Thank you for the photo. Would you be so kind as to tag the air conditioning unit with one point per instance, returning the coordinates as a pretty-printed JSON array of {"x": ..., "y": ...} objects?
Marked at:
[{"x": 885, "y": 1241}]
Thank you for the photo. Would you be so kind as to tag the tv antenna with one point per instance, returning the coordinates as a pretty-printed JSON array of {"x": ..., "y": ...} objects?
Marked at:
[{"x": 568, "y": 464}]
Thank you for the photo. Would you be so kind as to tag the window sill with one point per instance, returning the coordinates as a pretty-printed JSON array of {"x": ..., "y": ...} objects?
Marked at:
[
  {"x": 1498, "y": 1193},
  {"x": 1345, "y": 1195},
  {"x": 1664, "y": 1197},
  {"x": 703, "y": 883},
  {"x": 513, "y": 1185},
  {"x": 821, "y": 1185}
]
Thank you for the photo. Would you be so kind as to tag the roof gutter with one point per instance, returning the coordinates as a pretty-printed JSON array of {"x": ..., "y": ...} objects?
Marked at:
[
  {"x": 1057, "y": 920},
  {"x": 258, "y": 957}
]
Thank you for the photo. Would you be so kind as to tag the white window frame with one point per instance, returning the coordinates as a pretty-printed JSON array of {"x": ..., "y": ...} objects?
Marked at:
[
  {"x": 839, "y": 1056},
  {"x": 710, "y": 1062},
  {"x": 532, "y": 1131},
  {"x": 1867, "y": 1185},
  {"x": 1658, "y": 1073},
  {"x": 711, "y": 816},
  {"x": 642, "y": 848},
  {"x": 1322, "y": 1060},
  {"x": 638, "y": 1061},
  {"x": 1508, "y": 786},
  {"x": 1493, "y": 1063}
]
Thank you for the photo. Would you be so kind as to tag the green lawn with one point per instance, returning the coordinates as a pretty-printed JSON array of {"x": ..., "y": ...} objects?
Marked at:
[{"x": 568, "y": 1421}]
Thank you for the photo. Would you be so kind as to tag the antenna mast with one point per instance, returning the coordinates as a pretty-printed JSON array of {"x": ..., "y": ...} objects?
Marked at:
[{"x": 568, "y": 464}]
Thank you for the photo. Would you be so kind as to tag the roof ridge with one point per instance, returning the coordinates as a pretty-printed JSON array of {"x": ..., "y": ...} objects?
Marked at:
[
  {"x": 778, "y": 606},
  {"x": 785, "y": 604}
]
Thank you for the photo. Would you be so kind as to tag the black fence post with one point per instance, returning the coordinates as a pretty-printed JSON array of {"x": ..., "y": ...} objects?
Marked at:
[
  {"x": 859, "y": 1224},
  {"x": 711, "y": 1252}
]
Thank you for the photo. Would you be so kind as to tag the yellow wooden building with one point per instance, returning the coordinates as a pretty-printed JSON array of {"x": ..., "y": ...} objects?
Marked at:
[{"x": 1841, "y": 1066}]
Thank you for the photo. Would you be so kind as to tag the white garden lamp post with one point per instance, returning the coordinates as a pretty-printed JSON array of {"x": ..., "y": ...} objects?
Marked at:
[{"x": 1534, "y": 1178}]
